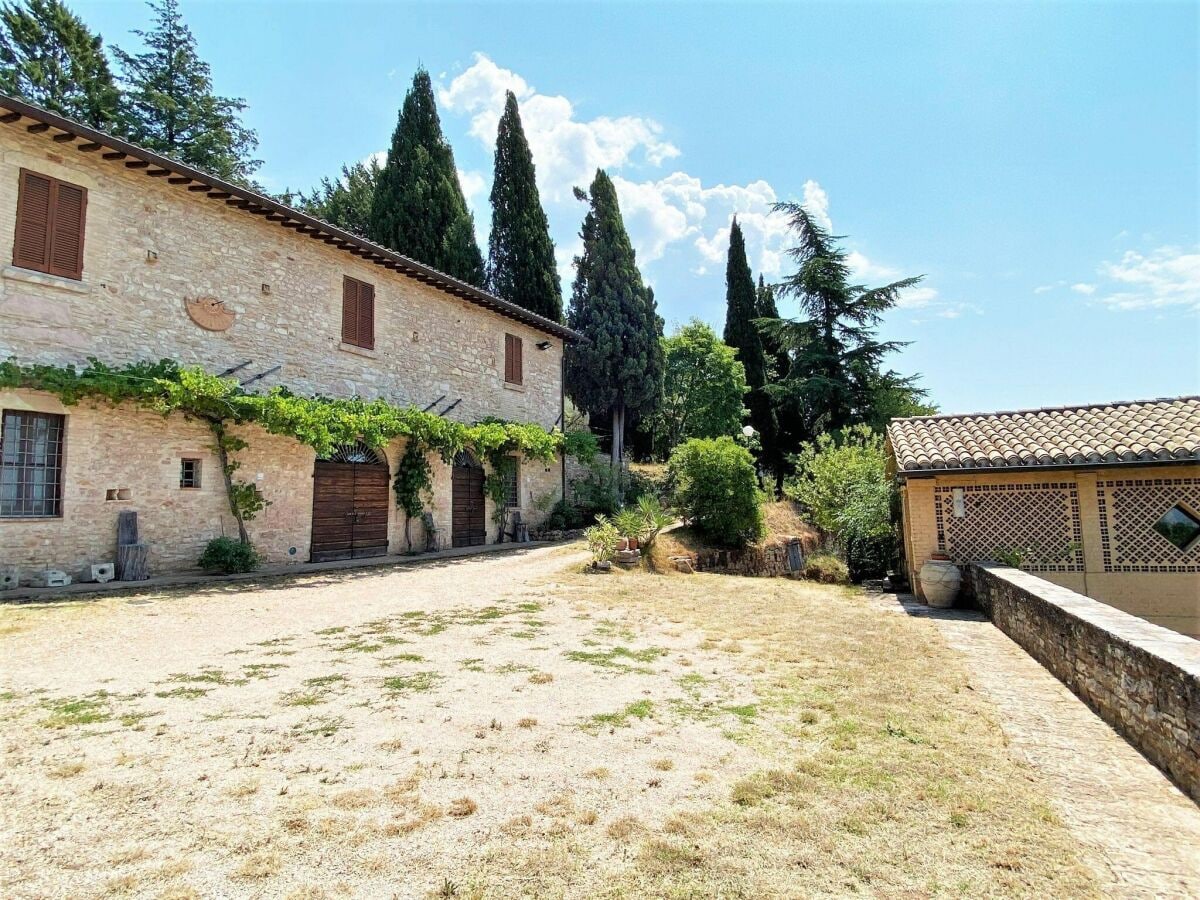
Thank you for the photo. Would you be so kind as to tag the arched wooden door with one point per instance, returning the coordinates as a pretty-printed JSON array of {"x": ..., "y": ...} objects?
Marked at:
[
  {"x": 468, "y": 525},
  {"x": 350, "y": 504}
]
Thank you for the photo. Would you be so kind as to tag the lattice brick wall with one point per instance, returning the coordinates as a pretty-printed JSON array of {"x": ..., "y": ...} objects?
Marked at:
[
  {"x": 1041, "y": 520},
  {"x": 1129, "y": 507}
]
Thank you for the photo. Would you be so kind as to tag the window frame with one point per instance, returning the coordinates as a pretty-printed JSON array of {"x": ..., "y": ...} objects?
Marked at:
[
  {"x": 59, "y": 452},
  {"x": 353, "y": 314},
  {"x": 47, "y": 266},
  {"x": 197, "y": 477},
  {"x": 1193, "y": 519},
  {"x": 514, "y": 359},
  {"x": 512, "y": 495}
]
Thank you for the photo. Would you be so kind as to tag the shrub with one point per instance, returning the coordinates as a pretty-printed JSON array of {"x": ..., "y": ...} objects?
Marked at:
[
  {"x": 629, "y": 523},
  {"x": 843, "y": 486},
  {"x": 596, "y": 494},
  {"x": 717, "y": 489},
  {"x": 602, "y": 540},
  {"x": 563, "y": 516},
  {"x": 655, "y": 517},
  {"x": 227, "y": 556},
  {"x": 826, "y": 568}
]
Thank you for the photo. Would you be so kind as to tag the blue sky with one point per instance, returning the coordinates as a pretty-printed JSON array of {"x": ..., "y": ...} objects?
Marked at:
[{"x": 1037, "y": 162}]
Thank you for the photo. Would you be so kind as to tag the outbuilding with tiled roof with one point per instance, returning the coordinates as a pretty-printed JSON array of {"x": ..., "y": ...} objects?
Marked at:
[{"x": 1102, "y": 498}]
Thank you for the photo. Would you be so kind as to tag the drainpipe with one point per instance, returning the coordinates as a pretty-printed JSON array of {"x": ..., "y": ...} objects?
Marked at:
[{"x": 562, "y": 415}]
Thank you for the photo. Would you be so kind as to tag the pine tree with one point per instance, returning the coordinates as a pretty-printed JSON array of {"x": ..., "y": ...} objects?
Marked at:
[
  {"x": 50, "y": 58},
  {"x": 521, "y": 266},
  {"x": 171, "y": 107},
  {"x": 616, "y": 371},
  {"x": 835, "y": 358},
  {"x": 419, "y": 209},
  {"x": 344, "y": 201},
  {"x": 741, "y": 333}
]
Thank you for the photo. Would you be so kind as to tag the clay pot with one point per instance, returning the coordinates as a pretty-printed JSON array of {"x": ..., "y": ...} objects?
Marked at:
[
  {"x": 632, "y": 543},
  {"x": 940, "y": 581}
]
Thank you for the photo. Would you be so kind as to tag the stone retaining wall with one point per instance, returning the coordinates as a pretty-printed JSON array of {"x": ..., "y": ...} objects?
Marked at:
[
  {"x": 1142, "y": 679},
  {"x": 784, "y": 557}
]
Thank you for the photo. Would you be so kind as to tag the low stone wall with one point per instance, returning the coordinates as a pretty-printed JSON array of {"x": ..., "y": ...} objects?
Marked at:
[
  {"x": 1142, "y": 679},
  {"x": 784, "y": 557}
]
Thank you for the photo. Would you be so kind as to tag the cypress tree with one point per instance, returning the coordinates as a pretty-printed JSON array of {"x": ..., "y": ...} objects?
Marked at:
[
  {"x": 50, "y": 58},
  {"x": 171, "y": 107},
  {"x": 777, "y": 357},
  {"x": 419, "y": 209},
  {"x": 521, "y": 264},
  {"x": 741, "y": 333},
  {"x": 616, "y": 371}
]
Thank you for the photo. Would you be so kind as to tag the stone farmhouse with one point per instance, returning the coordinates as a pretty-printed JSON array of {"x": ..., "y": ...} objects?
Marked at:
[
  {"x": 1103, "y": 500},
  {"x": 124, "y": 255}
]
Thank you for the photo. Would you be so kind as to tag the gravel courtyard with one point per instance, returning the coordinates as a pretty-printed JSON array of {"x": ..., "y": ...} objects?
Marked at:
[{"x": 505, "y": 725}]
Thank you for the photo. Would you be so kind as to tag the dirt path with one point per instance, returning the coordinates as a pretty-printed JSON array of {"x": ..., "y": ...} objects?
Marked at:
[{"x": 1142, "y": 832}]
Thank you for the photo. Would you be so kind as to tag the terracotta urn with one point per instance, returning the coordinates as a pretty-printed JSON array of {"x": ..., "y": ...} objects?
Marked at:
[{"x": 940, "y": 581}]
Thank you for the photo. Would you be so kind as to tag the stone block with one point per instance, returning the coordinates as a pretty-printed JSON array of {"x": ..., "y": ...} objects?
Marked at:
[
  {"x": 52, "y": 578},
  {"x": 103, "y": 572}
]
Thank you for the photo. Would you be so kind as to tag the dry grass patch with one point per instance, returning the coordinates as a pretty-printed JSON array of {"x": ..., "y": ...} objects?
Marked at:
[
  {"x": 624, "y": 827},
  {"x": 462, "y": 807},
  {"x": 259, "y": 865},
  {"x": 66, "y": 769},
  {"x": 541, "y": 678},
  {"x": 527, "y": 722}
]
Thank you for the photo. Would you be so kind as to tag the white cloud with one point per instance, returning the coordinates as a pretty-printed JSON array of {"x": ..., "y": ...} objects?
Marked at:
[
  {"x": 1085, "y": 289},
  {"x": 1166, "y": 277},
  {"x": 567, "y": 150},
  {"x": 916, "y": 297},
  {"x": 816, "y": 201},
  {"x": 867, "y": 270},
  {"x": 472, "y": 183}
]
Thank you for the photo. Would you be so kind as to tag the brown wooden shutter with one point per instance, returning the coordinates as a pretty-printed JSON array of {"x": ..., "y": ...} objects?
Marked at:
[
  {"x": 31, "y": 242},
  {"x": 508, "y": 358},
  {"x": 518, "y": 361},
  {"x": 349, "y": 310},
  {"x": 66, "y": 231},
  {"x": 366, "y": 315}
]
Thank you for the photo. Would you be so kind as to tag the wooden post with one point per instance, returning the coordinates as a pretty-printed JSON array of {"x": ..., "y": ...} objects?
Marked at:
[{"x": 133, "y": 562}]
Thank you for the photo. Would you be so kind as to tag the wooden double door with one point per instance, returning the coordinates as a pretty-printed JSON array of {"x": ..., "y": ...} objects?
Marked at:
[
  {"x": 468, "y": 522},
  {"x": 351, "y": 502}
]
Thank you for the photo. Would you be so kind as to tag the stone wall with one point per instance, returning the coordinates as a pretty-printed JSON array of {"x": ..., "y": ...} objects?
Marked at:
[
  {"x": 132, "y": 456},
  {"x": 149, "y": 245},
  {"x": 1142, "y": 679},
  {"x": 777, "y": 558}
]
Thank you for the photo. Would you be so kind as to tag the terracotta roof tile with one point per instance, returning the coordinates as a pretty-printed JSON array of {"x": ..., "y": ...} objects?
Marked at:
[{"x": 1140, "y": 431}]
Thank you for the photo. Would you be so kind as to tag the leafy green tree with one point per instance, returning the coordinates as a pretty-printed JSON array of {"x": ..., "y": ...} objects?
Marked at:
[
  {"x": 742, "y": 333},
  {"x": 716, "y": 489},
  {"x": 521, "y": 266},
  {"x": 835, "y": 356},
  {"x": 703, "y": 387},
  {"x": 49, "y": 57},
  {"x": 616, "y": 371},
  {"x": 419, "y": 209},
  {"x": 171, "y": 107},
  {"x": 344, "y": 201}
]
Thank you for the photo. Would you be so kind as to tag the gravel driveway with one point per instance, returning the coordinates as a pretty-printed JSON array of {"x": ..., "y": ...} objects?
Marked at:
[{"x": 371, "y": 733}]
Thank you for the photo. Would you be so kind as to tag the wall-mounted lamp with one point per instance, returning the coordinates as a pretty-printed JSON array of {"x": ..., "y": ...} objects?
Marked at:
[
  {"x": 543, "y": 345},
  {"x": 266, "y": 288},
  {"x": 151, "y": 255}
]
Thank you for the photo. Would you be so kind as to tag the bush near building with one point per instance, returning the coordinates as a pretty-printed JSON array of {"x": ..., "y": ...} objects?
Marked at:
[{"x": 716, "y": 489}]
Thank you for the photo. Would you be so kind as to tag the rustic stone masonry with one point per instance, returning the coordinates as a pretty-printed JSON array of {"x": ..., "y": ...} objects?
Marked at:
[
  {"x": 1142, "y": 679},
  {"x": 782, "y": 557}
]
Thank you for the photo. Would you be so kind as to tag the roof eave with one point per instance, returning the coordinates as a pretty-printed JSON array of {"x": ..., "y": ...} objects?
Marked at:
[{"x": 259, "y": 204}]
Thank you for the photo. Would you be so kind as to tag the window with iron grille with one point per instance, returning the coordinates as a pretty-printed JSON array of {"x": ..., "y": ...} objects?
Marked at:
[
  {"x": 189, "y": 473},
  {"x": 512, "y": 480},
  {"x": 31, "y": 451}
]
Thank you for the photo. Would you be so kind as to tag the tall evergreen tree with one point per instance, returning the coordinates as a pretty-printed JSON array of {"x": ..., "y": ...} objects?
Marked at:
[
  {"x": 835, "y": 356},
  {"x": 777, "y": 357},
  {"x": 616, "y": 371},
  {"x": 49, "y": 57},
  {"x": 521, "y": 265},
  {"x": 741, "y": 333},
  {"x": 344, "y": 201},
  {"x": 419, "y": 209},
  {"x": 171, "y": 107}
]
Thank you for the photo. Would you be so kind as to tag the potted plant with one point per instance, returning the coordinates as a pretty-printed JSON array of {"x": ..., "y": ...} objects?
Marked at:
[
  {"x": 630, "y": 526},
  {"x": 602, "y": 539}
]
